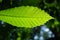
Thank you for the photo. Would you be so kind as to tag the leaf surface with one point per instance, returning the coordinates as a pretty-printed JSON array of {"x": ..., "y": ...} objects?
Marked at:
[{"x": 25, "y": 16}]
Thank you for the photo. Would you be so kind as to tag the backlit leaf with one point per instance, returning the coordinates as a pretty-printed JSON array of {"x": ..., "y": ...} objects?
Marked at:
[{"x": 25, "y": 16}]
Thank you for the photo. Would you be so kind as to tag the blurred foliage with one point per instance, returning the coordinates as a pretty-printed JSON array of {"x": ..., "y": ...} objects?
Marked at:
[
  {"x": 30, "y": 3},
  {"x": 50, "y": 6},
  {"x": 0, "y": 0}
]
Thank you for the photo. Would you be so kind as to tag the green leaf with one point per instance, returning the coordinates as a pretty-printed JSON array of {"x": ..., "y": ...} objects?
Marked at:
[{"x": 25, "y": 16}]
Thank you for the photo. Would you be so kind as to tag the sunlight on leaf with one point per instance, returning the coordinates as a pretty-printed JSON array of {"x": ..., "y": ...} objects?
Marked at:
[{"x": 25, "y": 16}]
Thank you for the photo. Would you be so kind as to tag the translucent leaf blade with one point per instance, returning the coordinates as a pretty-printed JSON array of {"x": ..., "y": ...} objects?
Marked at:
[{"x": 25, "y": 16}]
